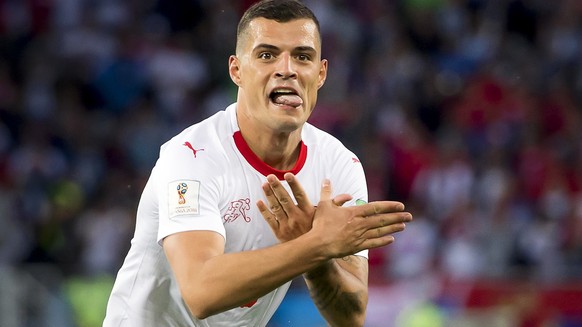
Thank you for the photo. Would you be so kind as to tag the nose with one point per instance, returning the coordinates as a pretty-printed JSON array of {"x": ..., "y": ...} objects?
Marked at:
[{"x": 285, "y": 68}]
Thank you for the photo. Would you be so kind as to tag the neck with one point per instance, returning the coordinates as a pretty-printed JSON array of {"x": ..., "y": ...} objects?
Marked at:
[{"x": 279, "y": 151}]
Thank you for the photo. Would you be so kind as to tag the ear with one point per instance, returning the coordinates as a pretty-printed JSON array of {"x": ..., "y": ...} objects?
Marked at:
[
  {"x": 234, "y": 69},
  {"x": 322, "y": 73}
]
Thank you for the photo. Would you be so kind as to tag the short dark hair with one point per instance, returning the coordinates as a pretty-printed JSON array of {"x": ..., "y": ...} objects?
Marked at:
[{"x": 281, "y": 11}]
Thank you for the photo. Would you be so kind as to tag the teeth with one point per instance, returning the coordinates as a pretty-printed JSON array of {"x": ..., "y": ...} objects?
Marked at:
[{"x": 283, "y": 92}]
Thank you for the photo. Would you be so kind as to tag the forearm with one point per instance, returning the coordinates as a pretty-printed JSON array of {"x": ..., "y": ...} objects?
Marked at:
[
  {"x": 230, "y": 280},
  {"x": 211, "y": 281},
  {"x": 339, "y": 290}
]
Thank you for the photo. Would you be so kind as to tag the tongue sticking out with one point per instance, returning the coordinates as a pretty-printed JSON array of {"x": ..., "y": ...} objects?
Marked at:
[{"x": 292, "y": 100}]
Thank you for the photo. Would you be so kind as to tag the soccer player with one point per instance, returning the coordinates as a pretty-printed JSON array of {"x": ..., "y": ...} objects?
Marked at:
[{"x": 226, "y": 219}]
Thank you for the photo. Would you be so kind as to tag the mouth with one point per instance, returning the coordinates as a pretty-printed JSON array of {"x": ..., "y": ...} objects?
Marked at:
[{"x": 285, "y": 97}]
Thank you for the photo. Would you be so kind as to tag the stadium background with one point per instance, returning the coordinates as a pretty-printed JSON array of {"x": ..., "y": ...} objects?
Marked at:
[{"x": 467, "y": 110}]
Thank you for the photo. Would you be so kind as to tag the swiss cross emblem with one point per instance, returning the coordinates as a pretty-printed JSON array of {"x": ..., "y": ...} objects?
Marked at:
[{"x": 238, "y": 209}]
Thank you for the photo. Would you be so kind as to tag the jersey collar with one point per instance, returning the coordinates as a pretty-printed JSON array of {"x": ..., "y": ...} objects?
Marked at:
[{"x": 261, "y": 166}]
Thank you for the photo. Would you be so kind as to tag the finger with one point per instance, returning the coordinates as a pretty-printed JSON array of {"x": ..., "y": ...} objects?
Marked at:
[
  {"x": 384, "y": 231},
  {"x": 378, "y": 242},
  {"x": 281, "y": 204},
  {"x": 274, "y": 203},
  {"x": 298, "y": 192},
  {"x": 379, "y": 207},
  {"x": 341, "y": 199},
  {"x": 385, "y": 219},
  {"x": 380, "y": 225},
  {"x": 325, "y": 193},
  {"x": 267, "y": 215}
]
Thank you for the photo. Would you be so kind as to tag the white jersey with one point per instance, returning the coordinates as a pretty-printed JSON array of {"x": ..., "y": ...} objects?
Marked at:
[{"x": 207, "y": 178}]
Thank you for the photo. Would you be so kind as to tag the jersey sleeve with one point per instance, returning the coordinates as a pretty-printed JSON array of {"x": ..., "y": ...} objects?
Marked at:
[
  {"x": 188, "y": 189},
  {"x": 347, "y": 176}
]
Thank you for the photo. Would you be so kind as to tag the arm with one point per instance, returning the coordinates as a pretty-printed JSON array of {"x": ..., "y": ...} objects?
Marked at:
[
  {"x": 211, "y": 281},
  {"x": 338, "y": 286},
  {"x": 339, "y": 289}
]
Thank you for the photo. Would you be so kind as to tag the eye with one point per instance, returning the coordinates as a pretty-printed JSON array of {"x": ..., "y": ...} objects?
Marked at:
[
  {"x": 303, "y": 57},
  {"x": 265, "y": 55}
]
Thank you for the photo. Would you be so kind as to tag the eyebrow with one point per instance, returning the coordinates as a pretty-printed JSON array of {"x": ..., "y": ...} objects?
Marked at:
[{"x": 267, "y": 46}]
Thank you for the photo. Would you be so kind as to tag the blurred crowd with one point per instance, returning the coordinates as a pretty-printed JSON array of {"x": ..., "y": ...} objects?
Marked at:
[{"x": 469, "y": 111}]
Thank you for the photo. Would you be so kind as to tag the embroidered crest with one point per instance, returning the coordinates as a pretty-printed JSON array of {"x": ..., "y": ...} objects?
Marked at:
[{"x": 238, "y": 209}]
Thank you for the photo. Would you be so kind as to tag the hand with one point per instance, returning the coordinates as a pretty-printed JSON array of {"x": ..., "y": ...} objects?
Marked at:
[
  {"x": 345, "y": 231},
  {"x": 287, "y": 220}
]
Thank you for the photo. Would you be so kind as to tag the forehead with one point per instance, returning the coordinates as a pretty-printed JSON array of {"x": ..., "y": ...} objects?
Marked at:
[{"x": 295, "y": 33}]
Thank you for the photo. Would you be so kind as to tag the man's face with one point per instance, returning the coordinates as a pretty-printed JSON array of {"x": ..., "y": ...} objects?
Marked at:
[{"x": 279, "y": 70}]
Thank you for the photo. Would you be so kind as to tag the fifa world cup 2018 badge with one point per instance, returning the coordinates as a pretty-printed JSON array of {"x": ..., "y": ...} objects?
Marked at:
[
  {"x": 183, "y": 198},
  {"x": 182, "y": 188}
]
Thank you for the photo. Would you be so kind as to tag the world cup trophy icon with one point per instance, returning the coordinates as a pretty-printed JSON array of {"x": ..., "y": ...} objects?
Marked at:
[{"x": 182, "y": 188}]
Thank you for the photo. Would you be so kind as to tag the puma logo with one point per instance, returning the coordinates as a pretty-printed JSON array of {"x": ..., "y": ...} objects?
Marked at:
[{"x": 194, "y": 151}]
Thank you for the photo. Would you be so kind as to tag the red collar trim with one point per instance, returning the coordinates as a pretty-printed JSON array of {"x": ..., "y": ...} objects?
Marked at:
[{"x": 261, "y": 166}]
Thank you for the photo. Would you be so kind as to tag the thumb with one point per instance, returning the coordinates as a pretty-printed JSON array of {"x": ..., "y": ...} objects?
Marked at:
[
  {"x": 326, "y": 192},
  {"x": 341, "y": 199}
]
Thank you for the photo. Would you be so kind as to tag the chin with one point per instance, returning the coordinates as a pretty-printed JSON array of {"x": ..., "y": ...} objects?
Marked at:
[{"x": 288, "y": 126}]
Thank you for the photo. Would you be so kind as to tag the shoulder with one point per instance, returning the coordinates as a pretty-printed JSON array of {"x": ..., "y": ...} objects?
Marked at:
[
  {"x": 210, "y": 127},
  {"x": 321, "y": 141},
  {"x": 210, "y": 133},
  {"x": 317, "y": 137},
  {"x": 199, "y": 149},
  {"x": 340, "y": 164}
]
